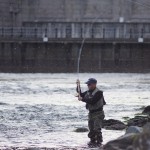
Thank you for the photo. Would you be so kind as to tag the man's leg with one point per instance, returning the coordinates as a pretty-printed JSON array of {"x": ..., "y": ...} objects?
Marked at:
[
  {"x": 91, "y": 134},
  {"x": 97, "y": 128}
]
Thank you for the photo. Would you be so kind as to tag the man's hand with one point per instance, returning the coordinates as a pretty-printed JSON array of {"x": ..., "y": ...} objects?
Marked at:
[
  {"x": 80, "y": 98},
  {"x": 78, "y": 82}
]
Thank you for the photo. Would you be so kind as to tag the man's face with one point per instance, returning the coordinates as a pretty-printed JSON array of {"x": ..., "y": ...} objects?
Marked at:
[{"x": 91, "y": 86}]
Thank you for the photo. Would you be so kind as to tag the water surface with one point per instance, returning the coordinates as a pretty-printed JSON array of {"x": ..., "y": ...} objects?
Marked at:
[{"x": 40, "y": 110}]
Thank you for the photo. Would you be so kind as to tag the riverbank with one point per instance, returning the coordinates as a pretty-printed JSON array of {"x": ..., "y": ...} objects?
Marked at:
[{"x": 137, "y": 136}]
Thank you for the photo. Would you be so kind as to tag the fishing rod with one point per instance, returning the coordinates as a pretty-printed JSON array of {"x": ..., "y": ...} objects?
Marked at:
[
  {"x": 78, "y": 68},
  {"x": 83, "y": 41},
  {"x": 79, "y": 58},
  {"x": 94, "y": 21},
  {"x": 78, "y": 89},
  {"x": 82, "y": 45}
]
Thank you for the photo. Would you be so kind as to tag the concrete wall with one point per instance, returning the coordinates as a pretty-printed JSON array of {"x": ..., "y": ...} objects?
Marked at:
[
  {"x": 15, "y": 12},
  {"x": 61, "y": 17},
  {"x": 46, "y": 57}
]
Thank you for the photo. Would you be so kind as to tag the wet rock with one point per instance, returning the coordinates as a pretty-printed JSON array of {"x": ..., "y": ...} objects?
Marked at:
[
  {"x": 112, "y": 124},
  {"x": 142, "y": 141},
  {"x": 134, "y": 129},
  {"x": 139, "y": 121},
  {"x": 122, "y": 143},
  {"x": 81, "y": 130},
  {"x": 146, "y": 110},
  {"x": 131, "y": 141}
]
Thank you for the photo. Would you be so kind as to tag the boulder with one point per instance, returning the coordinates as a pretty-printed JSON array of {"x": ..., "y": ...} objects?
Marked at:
[
  {"x": 142, "y": 141},
  {"x": 82, "y": 129},
  {"x": 146, "y": 110},
  {"x": 134, "y": 129},
  {"x": 139, "y": 121},
  {"x": 112, "y": 124},
  {"x": 122, "y": 143},
  {"x": 131, "y": 141}
]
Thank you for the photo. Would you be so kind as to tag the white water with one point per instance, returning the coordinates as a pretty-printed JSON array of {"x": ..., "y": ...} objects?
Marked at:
[{"x": 40, "y": 110}]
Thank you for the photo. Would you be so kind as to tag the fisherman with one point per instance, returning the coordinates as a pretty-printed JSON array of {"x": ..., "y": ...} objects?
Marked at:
[{"x": 94, "y": 100}]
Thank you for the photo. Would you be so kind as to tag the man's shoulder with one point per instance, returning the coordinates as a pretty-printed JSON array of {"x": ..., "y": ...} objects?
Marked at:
[{"x": 100, "y": 91}]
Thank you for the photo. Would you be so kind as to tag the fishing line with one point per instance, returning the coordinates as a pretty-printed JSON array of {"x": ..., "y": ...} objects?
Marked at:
[
  {"x": 81, "y": 47},
  {"x": 83, "y": 41}
]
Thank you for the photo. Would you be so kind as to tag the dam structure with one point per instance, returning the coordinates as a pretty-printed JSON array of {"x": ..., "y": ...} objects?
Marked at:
[{"x": 46, "y": 35}]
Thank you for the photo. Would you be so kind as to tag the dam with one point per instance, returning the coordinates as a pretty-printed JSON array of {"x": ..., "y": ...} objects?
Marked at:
[{"x": 46, "y": 35}]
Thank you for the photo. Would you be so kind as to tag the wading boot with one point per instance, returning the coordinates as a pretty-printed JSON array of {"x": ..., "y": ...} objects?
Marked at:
[
  {"x": 99, "y": 141},
  {"x": 92, "y": 143}
]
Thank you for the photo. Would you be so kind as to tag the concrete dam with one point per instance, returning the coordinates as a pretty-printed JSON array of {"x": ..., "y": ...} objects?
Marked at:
[{"x": 46, "y": 35}]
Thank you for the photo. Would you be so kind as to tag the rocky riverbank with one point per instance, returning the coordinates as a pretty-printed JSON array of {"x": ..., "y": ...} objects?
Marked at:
[
  {"x": 137, "y": 136},
  {"x": 139, "y": 120}
]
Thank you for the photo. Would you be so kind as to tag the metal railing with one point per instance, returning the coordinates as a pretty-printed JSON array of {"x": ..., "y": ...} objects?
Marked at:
[{"x": 102, "y": 33}]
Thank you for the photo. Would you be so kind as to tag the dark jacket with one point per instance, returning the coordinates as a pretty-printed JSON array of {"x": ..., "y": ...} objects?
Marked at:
[{"x": 92, "y": 100}]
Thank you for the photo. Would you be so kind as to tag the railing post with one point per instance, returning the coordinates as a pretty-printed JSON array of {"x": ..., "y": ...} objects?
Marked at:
[
  {"x": 142, "y": 33},
  {"x": 114, "y": 33},
  {"x": 35, "y": 32},
  {"x": 56, "y": 33},
  {"x": 21, "y": 33},
  {"x": 130, "y": 33},
  {"x": 11, "y": 32},
  {"x": 46, "y": 32},
  {"x": 92, "y": 33},
  {"x": 104, "y": 33},
  {"x": 2, "y": 32},
  {"x": 81, "y": 35}
]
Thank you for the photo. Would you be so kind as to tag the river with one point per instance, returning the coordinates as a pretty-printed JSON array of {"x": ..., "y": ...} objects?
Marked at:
[{"x": 40, "y": 110}]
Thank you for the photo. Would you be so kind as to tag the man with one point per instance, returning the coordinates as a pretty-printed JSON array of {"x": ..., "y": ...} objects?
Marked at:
[{"x": 94, "y": 100}]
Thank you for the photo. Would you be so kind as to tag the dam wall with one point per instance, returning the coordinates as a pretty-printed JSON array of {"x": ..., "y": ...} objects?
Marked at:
[
  {"x": 62, "y": 57},
  {"x": 46, "y": 35}
]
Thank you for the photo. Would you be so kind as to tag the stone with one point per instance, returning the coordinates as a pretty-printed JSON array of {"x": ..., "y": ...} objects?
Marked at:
[
  {"x": 131, "y": 141},
  {"x": 116, "y": 127},
  {"x": 112, "y": 124},
  {"x": 146, "y": 110},
  {"x": 122, "y": 143},
  {"x": 81, "y": 129},
  {"x": 139, "y": 121},
  {"x": 142, "y": 141},
  {"x": 134, "y": 129}
]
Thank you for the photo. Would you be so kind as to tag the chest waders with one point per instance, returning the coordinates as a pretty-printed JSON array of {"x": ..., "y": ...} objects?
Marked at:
[{"x": 95, "y": 118}]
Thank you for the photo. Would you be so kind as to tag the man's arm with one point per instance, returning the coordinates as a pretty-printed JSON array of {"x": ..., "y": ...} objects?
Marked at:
[
  {"x": 94, "y": 99},
  {"x": 81, "y": 94},
  {"x": 79, "y": 89}
]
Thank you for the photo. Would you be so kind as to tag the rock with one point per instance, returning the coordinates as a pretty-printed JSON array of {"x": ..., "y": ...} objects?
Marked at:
[
  {"x": 142, "y": 142},
  {"x": 116, "y": 127},
  {"x": 134, "y": 129},
  {"x": 131, "y": 141},
  {"x": 139, "y": 121},
  {"x": 112, "y": 124},
  {"x": 122, "y": 143},
  {"x": 81, "y": 130},
  {"x": 146, "y": 110}
]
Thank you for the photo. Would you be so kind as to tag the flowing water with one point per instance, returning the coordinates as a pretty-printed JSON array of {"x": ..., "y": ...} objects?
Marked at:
[{"x": 40, "y": 110}]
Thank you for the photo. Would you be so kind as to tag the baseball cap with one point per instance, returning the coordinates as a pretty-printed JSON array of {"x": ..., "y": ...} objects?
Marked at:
[{"x": 91, "y": 81}]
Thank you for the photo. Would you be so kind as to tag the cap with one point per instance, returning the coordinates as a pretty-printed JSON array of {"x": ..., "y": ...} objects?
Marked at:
[{"x": 91, "y": 81}]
